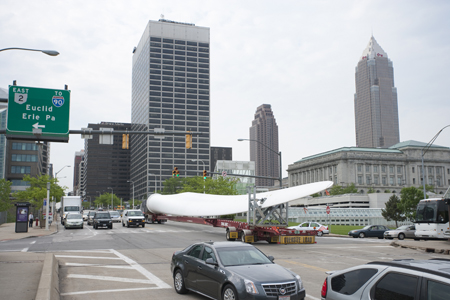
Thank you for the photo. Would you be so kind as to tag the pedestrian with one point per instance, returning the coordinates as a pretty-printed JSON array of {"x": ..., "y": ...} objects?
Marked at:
[{"x": 30, "y": 219}]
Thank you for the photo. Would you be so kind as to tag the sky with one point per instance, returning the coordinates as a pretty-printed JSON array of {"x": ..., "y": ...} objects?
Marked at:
[{"x": 298, "y": 56}]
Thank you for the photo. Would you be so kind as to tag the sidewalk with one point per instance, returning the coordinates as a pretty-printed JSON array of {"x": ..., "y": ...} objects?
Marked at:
[{"x": 26, "y": 275}]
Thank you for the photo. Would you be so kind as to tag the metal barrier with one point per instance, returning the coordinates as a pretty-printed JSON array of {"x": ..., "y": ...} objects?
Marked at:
[{"x": 3, "y": 217}]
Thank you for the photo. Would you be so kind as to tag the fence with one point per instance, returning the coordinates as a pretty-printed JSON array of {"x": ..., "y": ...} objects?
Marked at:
[
  {"x": 341, "y": 216},
  {"x": 3, "y": 216}
]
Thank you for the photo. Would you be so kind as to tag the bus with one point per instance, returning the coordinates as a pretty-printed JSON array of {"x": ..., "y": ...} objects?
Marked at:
[{"x": 432, "y": 218}]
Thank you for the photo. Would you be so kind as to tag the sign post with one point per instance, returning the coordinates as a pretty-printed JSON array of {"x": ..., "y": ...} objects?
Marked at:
[{"x": 38, "y": 114}]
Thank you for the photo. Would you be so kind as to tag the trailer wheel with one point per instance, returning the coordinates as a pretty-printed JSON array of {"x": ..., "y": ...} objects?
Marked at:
[{"x": 228, "y": 236}]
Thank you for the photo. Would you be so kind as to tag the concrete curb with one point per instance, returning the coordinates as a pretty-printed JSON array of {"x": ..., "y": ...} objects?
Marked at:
[
  {"x": 48, "y": 288},
  {"x": 429, "y": 249}
]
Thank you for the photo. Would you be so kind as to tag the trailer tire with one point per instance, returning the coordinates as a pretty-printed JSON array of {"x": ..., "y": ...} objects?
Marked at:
[{"x": 228, "y": 236}]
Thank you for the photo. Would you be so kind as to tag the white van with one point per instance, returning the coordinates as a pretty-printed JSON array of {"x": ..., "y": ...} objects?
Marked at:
[{"x": 133, "y": 217}]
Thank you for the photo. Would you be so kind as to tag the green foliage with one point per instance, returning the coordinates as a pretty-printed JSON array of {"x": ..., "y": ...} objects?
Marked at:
[
  {"x": 5, "y": 190},
  {"x": 340, "y": 190},
  {"x": 173, "y": 185},
  {"x": 410, "y": 197},
  {"x": 394, "y": 210},
  {"x": 387, "y": 191},
  {"x": 37, "y": 190},
  {"x": 219, "y": 186},
  {"x": 315, "y": 195},
  {"x": 104, "y": 200},
  {"x": 371, "y": 190}
]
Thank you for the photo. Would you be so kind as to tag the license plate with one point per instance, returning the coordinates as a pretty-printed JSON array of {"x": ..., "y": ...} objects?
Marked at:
[{"x": 284, "y": 297}]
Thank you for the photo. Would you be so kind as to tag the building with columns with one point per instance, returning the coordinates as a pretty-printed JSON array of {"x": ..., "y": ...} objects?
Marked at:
[{"x": 381, "y": 169}]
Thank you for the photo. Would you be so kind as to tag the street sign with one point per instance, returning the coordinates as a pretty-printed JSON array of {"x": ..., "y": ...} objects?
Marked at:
[
  {"x": 224, "y": 173},
  {"x": 328, "y": 210},
  {"x": 38, "y": 114}
]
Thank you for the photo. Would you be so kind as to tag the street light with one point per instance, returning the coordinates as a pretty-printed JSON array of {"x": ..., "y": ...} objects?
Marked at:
[
  {"x": 112, "y": 196},
  {"x": 56, "y": 174},
  {"x": 48, "y": 52},
  {"x": 278, "y": 153},
  {"x": 204, "y": 168},
  {"x": 427, "y": 146},
  {"x": 133, "y": 190}
]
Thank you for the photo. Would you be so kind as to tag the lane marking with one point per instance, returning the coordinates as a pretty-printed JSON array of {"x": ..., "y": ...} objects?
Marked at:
[
  {"x": 99, "y": 266},
  {"x": 110, "y": 278},
  {"x": 142, "y": 270},
  {"x": 24, "y": 250},
  {"x": 32, "y": 242},
  {"x": 108, "y": 291}
]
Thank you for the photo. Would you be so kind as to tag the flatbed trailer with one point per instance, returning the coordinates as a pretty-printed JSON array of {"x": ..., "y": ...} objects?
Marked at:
[{"x": 247, "y": 233}]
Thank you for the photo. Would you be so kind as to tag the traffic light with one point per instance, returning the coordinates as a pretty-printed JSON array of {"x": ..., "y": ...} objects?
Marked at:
[
  {"x": 205, "y": 174},
  {"x": 125, "y": 141},
  {"x": 188, "y": 141},
  {"x": 177, "y": 172},
  {"x": 174, "y": 172}
]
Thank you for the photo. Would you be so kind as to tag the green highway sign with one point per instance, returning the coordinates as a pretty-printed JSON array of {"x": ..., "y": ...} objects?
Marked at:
[{"x": 38, "y": 114}]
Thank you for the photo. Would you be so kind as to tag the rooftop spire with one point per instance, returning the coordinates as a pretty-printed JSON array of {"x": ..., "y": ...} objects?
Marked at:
[{"x": 372, "y": 50}]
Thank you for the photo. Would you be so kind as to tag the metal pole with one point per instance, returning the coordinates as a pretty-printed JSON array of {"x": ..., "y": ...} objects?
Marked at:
[
  {"x": 47, "y": 206},
  {"x": 133, "y": 194},
  {"x": 423, "y": 178}
]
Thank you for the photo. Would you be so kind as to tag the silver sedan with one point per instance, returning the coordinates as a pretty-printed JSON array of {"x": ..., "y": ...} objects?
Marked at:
[{"x": 405, "y": 231}]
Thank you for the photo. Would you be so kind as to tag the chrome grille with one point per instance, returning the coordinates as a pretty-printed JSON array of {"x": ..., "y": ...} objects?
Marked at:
[{"x": 273, "y": 290}]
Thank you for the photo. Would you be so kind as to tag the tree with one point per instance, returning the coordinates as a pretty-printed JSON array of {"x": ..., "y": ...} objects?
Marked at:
[
  {"x": 393, "y": 210},
  {"x": 173, "y": 185},
  {"x": 5, "y": 190},
  {"x": 37, "y": 190},
  {"x": 104, "y": 200},
  {"x": 219, "y": 186},
  {"x": 410, "y": 197},
  {"x": 371, "y": 190},
  {"x": 340, "y": 190}
]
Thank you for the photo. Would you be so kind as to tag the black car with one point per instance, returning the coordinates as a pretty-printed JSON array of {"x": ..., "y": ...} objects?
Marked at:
[
  {"x": 102, "y": 219},
  {"x": 369, "y": 231},
  {"x": 233, "y": 270}
]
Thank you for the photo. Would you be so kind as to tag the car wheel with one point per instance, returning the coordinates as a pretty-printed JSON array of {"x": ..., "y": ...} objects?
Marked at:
[
  {"x": 178, "y": 283},
  {"x": 143, "y": 225},
  {"x": 401, "y": 236},
  {"x": 229, "y": 293},
  {"x": 228, "y": 236},
  {"x": 362, "y": 235},
  {"x": 128, "y": 225},
  {"x": 81, "y": 226},
  {"x": 319, "y": 233},
  {"x": 123, "y": 225}
]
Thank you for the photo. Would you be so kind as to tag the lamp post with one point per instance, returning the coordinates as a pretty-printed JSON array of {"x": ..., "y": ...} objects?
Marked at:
[
  {"x": 112, "y": 196},
  {"x": 133, "y": 190},
  {"x": 48, "y": 52},
  {"x": 56, "y": 174},
  {"x": 278, "y": 153},
  {"x": 424, "y": 150},
  {"x": 204, "y": 168},
  {"x": 151, "y": 174}
]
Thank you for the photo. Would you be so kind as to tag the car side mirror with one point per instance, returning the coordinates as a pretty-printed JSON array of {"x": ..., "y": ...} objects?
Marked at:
[
  {"x": 210, "y": 261},
  {"x": 271, "y": 258}
]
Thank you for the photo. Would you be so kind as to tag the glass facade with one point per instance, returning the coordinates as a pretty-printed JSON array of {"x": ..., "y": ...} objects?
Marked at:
[
  {"x": 237, "y": 167},
  {"x": 170, "y": 90}
]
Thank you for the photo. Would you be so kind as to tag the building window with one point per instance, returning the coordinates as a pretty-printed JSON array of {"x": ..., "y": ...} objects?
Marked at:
[
  {"x": 430, "y": 170},
  {"x": 359, "y": 167},
  {"x": 367, "y": 168},
  {"x": 383, "y": 169},
  {"x": 413, "y": 170},
  {"x": 375, "y": 180},
  {"x": 438, "y": 170},
  {"x": 360, "y": 180},
  {"x": 368, "y": 179},
  {"x": 399, "y": 180},
  {"x": 391, "y": 180},
  {"x": 375, "y": 169},
  {"x": 384, "y": 180},
  {"x": 391, "y": 169},
  {"x": 430, "y": 180},
  {"x": 399, "y": 169},
  {"x": 20, "y": 170},
  {"x": 414, "y": 181}
]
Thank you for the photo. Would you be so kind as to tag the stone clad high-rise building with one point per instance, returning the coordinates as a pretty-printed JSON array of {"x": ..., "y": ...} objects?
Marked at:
[
  {"x": 170, "y": 90},
  {"x": 376, "y": 108},
  {"x": 264, "y": 130}
]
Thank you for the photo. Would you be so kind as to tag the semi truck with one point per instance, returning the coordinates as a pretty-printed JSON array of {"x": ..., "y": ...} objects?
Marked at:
[{"x": 70, "y": 204}]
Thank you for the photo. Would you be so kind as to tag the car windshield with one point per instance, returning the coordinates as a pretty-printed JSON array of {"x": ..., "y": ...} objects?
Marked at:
[
  {"x": 74, "y": 216},
  {"x": 135, "y": 213},
  {"x": 91, "y": 213},
  {"x": 367, "y": 227},
  {"x": 114, "y": 213},
  {"x": 241, "y": 256},
  {"x": 102, "y": 215}
]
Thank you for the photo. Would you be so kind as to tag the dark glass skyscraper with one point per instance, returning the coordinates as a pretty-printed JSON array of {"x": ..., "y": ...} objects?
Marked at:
[
  {"x": 264, "y": 130},
  {"x": 170, "y": 90},
  {"x": 376, "y": 108}
]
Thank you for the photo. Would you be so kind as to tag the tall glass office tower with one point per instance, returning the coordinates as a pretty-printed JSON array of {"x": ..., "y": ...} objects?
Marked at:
[
  {"x": 170, "y": 90},
  {"x": 376, "y": 109}
]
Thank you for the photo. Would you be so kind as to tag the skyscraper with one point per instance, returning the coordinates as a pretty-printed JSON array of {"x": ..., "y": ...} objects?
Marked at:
[
  {"x": 376, "y": 109},
  {"x": 264, "y": 145},
  {"x": 170, "y": 90}
]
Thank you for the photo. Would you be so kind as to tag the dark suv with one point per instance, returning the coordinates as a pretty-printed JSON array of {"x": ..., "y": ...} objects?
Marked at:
[
  {"x": 397, "y": 279},
  {"x": 102, "y": 219}
]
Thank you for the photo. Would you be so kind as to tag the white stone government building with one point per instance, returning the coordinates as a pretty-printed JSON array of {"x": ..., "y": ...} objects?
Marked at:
[{"x": 384, "y": 170}]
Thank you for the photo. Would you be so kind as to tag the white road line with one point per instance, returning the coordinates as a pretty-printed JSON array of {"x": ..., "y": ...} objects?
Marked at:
[
  {"x": 32, "y": 242},
  {"x": 99, "y": 266},
  {"x": 108, "y": 291},
  {"x": 24, "y": 249},
  {"x": 142, "y": 270},
  {"x": 110, "y": 278},
  {"x": 81, "y": 256}
]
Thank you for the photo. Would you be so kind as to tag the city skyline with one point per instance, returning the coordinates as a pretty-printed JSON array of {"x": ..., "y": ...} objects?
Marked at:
[{"x": 299, "y": 57}]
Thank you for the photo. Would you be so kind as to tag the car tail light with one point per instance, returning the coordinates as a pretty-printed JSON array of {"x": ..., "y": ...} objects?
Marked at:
[{"x": 324, "y": 288}]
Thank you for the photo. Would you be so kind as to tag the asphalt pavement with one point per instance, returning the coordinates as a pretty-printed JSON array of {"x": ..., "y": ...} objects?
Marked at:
[{"x": 29, "y": 275}]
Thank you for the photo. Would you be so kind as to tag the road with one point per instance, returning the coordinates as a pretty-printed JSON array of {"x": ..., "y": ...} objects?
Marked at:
[{"x": 135, "y": 262}]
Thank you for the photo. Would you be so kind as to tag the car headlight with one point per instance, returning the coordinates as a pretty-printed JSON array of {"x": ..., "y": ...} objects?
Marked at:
[
  {"x": 109, "y": 221},
  {"x": 250, "y": 287},
  {"x": 300, "y": 283}
]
